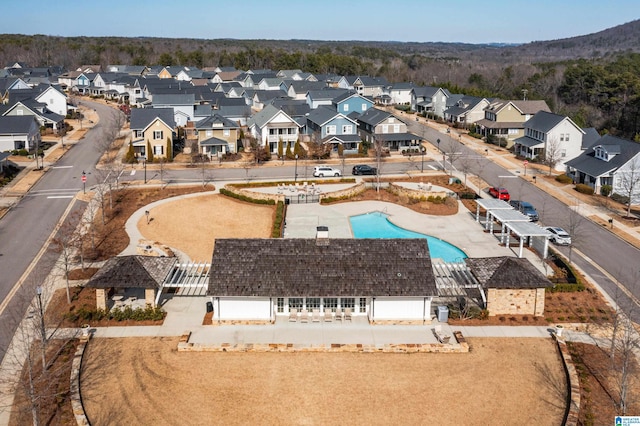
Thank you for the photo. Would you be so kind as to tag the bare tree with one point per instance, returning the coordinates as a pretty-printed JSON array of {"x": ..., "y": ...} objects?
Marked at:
[
  {"x": 67, "y": 243},
  {"x": 574, "y": 224},
  {"x": 379, "y": 150},
  {"x": 553, "y": 151},
  {"x": 629, "y": 182},
  {"x": 451, "y": 151}
]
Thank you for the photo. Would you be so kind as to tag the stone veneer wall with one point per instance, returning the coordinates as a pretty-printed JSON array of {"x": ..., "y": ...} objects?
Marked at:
[
  {"x": 416, "y": 193},
  {"x": 515, "y": 301},
  {"x": 101, "y": 299},
  {"x": 347, "y": 192},
  {"x": 150, "y": 296}
]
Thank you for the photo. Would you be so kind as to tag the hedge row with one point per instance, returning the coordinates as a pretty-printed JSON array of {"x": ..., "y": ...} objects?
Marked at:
[
  {"x": 139, "y": 314},
  {"x": 564, "y": 179},
  {"x": 241, "y": 197},
  {"x": 584, "y": 189},
  {"x": 279, "y": 222}
]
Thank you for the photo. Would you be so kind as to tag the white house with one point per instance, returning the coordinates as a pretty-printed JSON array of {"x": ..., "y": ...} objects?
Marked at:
[
  {"x": 609, "y": 161},
  {"x": 550, "y": 137},
  {"x": 271, "y": 125},
  {"x": 55, "y": 100}
]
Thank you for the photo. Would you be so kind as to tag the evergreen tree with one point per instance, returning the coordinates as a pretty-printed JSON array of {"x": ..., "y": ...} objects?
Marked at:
[
  {"x": 169, "y": 150},
  {"x": 149, "y": 153},
  {"x": 280, "y": 148},
  {"x": 130, "y": 157}
]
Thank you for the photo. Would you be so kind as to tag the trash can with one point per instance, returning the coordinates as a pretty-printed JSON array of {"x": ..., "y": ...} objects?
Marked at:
[
  {"x": 209, "y": 307},
  {"x": 287, "y": 201},
  {"x": 443, "y": 313}
]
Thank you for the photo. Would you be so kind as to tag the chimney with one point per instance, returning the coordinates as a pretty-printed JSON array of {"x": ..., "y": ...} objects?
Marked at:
[{"x": 322, "y": 235}]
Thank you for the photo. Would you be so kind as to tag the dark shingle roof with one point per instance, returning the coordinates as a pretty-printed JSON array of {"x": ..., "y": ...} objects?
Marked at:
[
  {"x": 507, "y": 273},
  {"x": 132, "y": 272},
  {"x": 142, "y": 117},
  {"x": 16, "y": 124},
  {"x": 325, "y": 267},
  {"x": 374, "y": 116}
]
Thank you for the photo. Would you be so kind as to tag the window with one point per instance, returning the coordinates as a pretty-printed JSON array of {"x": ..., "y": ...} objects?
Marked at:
[
  {"x": 563, "y": 153},
  {"x": 138, "y": 133},
  {"x": 513, "y": 131},
  {"x": 561, "y": 137},
  {"x": 348, "y": 302},
  {"x": 330, "y": 303},
  {"x": 391, "y": 120},
  {"x": 345, "y": 107},
  {"x": 157, "y": 134},
  {"x": 280, "y": 305},
  {"x": 396, "y": 128},
  {"x": 347, "y": 129},
  {"x": 363, "y": 304},
  {"x": 19, "y": 112},
  {"x": 385, "y": 128},
  {"x": 331, "y": 130},
  {"x": 226, "y": 132},
  {"x": 295, "y": 303},
  {"x": 364, "y": 107},
  {"x": 313, "y": 303},
  {"x": 209, "y": 133},
  {"x": 566, "y": 137},
  {"x": 158, "y": 150}
]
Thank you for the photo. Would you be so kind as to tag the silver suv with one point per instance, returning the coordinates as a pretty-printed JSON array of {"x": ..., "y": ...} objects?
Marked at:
[{"x": 324, "y": 171}]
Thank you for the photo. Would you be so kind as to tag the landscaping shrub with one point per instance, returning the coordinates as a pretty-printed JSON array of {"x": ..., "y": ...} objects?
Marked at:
[
  {"x": 584, "y": 189},
  {"x": 619, "y": 198},
  {"x": 148, "y": 313},
  {"x": 605, "y": 190},
  {"x": 279, "y": 222},
  {"x": 564, "y": 179}
]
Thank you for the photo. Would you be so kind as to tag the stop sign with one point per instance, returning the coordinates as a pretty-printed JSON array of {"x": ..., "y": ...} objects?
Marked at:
[
  {"x": 84, "y": 178},
  {"x": 525, "y": 162}
]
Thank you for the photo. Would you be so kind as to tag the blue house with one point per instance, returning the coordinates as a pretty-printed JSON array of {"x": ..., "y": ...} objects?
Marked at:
[
  {"x": 350, "y": 102},
  {"x": 333, "y": 128}
]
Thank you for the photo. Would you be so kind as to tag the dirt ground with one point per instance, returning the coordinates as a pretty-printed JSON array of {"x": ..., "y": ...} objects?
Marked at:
[
  {"x": 205, "y": 218},
  {"x": 146, "y": 381}
]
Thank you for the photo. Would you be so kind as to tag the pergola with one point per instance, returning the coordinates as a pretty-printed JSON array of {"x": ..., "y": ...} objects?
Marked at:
[
  {"x": 490, "y": 205},
  {"x": 536, "y": 235}
]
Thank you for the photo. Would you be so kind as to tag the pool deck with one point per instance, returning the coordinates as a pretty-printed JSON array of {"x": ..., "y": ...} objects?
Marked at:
[{"x": 460, "y": 229}]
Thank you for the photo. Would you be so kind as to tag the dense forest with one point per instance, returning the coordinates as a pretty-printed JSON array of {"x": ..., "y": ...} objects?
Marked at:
[{"x": 593, "y": 78}]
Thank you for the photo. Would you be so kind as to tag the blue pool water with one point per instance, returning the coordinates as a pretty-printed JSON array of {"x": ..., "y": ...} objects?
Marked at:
[{"x": 376, "y": 225}]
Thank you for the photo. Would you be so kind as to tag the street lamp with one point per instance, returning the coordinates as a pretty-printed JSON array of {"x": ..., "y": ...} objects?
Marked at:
[
  {"x": 146, "y": 213},
  {"x": 438, "y": 142},
  {"x": 84, "y": 182},
  {"x": 43, "y": 331},
  {"x": 144, "y": 163},
  {"x": 295, "y": 178},
  {"x": 423, "y": 150}
]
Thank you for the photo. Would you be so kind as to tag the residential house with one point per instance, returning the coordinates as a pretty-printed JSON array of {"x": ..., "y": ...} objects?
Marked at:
[
  {"x": 260, "y": 98},
  {"x": 467, "y": 110},
  {"x": 217, "y": 135},
  {"x": 294, "y": 108},
  {"x": 349, "y": 102},
  {"x": 316, "y": 98},
  {"x": 400, "y": 93},
  {"x": 272, "y": 125},
  {"x": 183, "y": 105},
  {"x": 18, "y": 133},
  {"x": 238, "y": 114},
  {"x": 364, "y": 85},
  {"x": 54, "y": 98},
  {"x": 271, "y": 83},
  {"x": 550, "y": 138},
  {"x": 225, "y": 76},
  {"x": 9, "y": 84},
  {"x": 393, "y": 280},
  {"x": 429, "y": 100},
  {"x": 376, "y": 125},
  {"x": 609, "y": 161},
  {"x": 329, "y": 127},
  {"x": 298, "y": 89},
  {"x": 38, "y": 110},
  {"x": 505, "y": 119},
  {"x": 152, "y": 128}
]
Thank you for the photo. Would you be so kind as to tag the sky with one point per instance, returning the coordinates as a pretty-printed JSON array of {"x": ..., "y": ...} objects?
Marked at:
[{"x": 465, "y": 21}]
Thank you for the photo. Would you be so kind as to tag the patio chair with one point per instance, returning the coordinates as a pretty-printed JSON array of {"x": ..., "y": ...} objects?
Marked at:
[
  {"x": 293, "y": 315},
  {"x": 315, "y": 316},
  {"x": 347, "y": 314},
  {"x": 304, "y": 316},
  {"x": 338, "y": 314},
  {"x": 328, "y": 315}
]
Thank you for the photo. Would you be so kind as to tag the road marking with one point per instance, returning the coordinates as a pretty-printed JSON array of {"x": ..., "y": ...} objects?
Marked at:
[
  {"x": 133, "y": 172},
  {"x": 432, "y": 167},
  {"x": 61, "y": 196},
  {"x": 62, "y": 167}
]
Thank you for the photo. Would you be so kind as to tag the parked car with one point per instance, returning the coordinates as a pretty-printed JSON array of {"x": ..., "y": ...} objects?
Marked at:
[
  {"x": 559, "y": 236},
  {"x": 324, "y": 171},
  {"x": 526, "y": 208},
  {"x": 363, "y": 169},
  {"x": 500, "y": 193}
]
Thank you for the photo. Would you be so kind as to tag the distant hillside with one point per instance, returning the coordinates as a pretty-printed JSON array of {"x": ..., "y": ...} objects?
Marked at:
[{"x": 622, "y": 38}]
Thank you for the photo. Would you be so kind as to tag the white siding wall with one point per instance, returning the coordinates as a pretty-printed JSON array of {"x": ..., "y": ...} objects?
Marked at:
[
  {"x": 572, "y": 147},
  {"x": 230, "y": 308},
  {"x": 401, "y": 309}
]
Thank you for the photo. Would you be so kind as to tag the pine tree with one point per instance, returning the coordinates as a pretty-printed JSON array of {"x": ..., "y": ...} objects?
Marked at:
[
  {"x": 149, "y": 153},
  {"x": 169, "y": 150},
  {"x": 130, "y": 157},
  {"x": 280, "y": 148}
]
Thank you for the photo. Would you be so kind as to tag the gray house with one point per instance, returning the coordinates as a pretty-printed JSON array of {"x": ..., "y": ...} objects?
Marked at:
[{"x": 19, "y": 132}]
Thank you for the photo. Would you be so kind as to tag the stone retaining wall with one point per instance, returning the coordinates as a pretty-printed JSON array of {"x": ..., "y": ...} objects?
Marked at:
[
  {"x": 76, "y": 399},
  {"x": 461, "y": 346},
  {"x": 352, "y": 191},
  {"x": 415, "y": 193},
  {"x": 573, "y": 384}
]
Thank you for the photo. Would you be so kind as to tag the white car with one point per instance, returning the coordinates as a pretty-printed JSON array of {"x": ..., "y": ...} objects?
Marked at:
[
  {"x": 559, "y": 236},
  {"x": 325, "y": 171}
]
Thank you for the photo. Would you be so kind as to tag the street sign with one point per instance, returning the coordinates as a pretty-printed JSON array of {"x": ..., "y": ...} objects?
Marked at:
[
  {"x": 525, "y": 162},
  {"x": 84, "y": 178}
]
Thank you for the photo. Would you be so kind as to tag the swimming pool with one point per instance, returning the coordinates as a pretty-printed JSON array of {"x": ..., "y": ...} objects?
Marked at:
[{"x": 376, "y": 225}]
